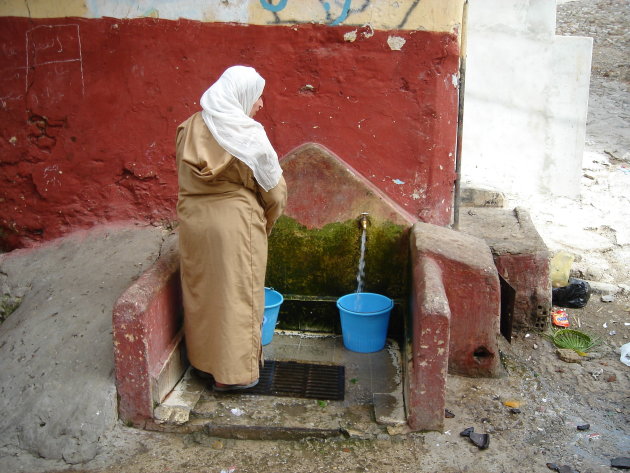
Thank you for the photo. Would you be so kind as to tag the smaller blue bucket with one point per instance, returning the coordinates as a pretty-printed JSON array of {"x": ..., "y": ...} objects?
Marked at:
[
  {"x": 364, "y": 321},
  {"x": 273, "y": 300}
]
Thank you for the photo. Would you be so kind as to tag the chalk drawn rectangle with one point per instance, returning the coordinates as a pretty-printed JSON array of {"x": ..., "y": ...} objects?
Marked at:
[{"x": 48, "y": 44}]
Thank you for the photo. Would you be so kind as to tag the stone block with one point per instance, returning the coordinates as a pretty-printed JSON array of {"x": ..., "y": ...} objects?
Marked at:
[
  {"x": 147, "y": 338},
  {"x": 431, "y": 318},
  {"x": 480, "y": 197},
  {"x": 471, "y": 285},
  {"x": 521, "y": 258}
]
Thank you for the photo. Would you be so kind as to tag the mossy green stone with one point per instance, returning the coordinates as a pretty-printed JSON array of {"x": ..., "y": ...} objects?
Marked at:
[{"x": 322, "y": 263}]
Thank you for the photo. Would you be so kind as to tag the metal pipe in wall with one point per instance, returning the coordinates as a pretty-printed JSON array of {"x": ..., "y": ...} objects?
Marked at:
[{"x": 460, "y": 118}]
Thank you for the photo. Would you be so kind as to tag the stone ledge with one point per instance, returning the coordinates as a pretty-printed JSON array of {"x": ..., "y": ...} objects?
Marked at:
[
  {"x": 147, "y": 334},
  {"x": 521, "y": 258},
  {"x": 471, "y": 285},
  {"x": 431, "y": 319}
]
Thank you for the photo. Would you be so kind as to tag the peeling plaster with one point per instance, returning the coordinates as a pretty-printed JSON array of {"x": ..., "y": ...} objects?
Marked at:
[
  {"x": 396, "y": 43},
  {"x": 350, "y": 36}
]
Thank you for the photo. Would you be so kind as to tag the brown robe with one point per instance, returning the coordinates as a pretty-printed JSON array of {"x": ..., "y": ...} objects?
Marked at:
[{"x": 224, "y": 220}]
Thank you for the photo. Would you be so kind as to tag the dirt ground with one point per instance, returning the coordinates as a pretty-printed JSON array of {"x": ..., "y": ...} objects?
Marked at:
[{"x": 551, "y": 397}]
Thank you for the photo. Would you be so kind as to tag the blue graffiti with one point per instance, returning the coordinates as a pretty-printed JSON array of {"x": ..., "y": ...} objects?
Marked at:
[
  {"x": 267, "y": 5},
  {"x": 344, "y": 13},
  {"x": 274, "y": 8}
]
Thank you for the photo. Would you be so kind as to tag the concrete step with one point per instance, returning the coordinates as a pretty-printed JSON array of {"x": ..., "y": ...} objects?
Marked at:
[{"x": 373, "y": 402}]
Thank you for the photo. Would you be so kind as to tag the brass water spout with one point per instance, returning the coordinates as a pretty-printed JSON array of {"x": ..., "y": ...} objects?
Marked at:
[{"x": 363, "y": 220}]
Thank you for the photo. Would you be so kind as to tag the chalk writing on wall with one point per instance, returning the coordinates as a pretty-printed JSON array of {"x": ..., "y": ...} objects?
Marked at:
[{"x": 48, "y": 49}]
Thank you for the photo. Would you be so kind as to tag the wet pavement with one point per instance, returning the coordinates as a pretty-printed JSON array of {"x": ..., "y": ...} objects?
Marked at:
[{"x": 372, "y": 404}]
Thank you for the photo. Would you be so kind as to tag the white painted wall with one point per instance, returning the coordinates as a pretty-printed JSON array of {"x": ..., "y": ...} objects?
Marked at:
[{"x": 526, "y": 100}]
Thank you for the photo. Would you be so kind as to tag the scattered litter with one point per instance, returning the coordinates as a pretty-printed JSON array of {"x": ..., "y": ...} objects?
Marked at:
[
  {"x": 620, "y": 462},
  {"x": 448, "y": 414},
  {"x": 593, "y": 437},
  {"x": 608, "y": 298},
  {"x": 575, "y": 295},
  {"x": 561, "y": 468},
  {"x": 217, "y": 445},
  {"x": 625, "y": 354},
  {"x": 584, "y": 427},
  {"x": 574, "y": 340},
  {"x": 597, "y": 373},
  {"x": 560, "y": 268},
  {"x": 480, "y": 440},
  {"x": 231, "y": 469},
  {"x": 237, "y": 411},
  {"x": 605, "y": 325},
  {"x": 515, "y": 410},
  {"x": 612, "y": 332},
  {"x": 512, "y": 403},
  {"x": 559, "y": 318}
]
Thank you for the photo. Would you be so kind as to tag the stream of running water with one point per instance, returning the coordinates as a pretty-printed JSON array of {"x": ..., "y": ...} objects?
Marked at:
[{"x": 361, "y": 271}]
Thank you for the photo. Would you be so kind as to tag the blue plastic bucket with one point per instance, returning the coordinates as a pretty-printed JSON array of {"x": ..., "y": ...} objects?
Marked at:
[
  {"x": 273, "y": 300},
  {"x": 364, "y": 321}
]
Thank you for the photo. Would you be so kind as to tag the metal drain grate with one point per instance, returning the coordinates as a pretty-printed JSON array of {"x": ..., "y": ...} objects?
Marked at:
[{"x": 302, "y": 380}]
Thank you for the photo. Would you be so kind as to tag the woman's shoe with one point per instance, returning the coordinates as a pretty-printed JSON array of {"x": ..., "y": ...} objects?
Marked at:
[{"x": 221, "y": 388}]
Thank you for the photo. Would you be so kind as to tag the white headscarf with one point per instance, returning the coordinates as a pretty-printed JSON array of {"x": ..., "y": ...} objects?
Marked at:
[{"x": 226, "y": 106}]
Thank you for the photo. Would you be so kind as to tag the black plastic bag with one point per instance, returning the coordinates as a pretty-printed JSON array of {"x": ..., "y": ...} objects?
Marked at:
[{"x": 574, "y": 296}]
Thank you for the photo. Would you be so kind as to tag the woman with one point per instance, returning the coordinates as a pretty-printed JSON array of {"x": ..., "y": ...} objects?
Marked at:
[{"x": 231, "y": 192}]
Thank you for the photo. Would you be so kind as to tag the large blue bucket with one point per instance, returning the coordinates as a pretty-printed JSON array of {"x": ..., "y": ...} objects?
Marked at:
[
  {"x": 273, "y": 300},
  {"x": 364, "y": 321}
]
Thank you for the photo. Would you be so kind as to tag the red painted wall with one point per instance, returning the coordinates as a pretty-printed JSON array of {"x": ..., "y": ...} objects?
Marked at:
[{"x": 89, "y": 110}]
